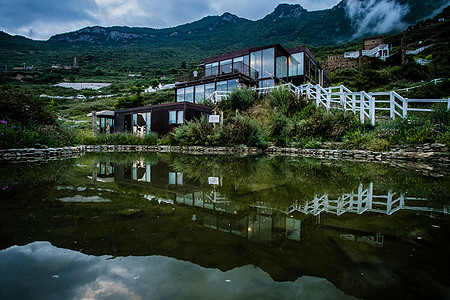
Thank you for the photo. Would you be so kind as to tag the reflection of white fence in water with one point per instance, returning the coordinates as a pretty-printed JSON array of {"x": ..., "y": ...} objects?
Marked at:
[
  {"x": 364, "y": 201},
  {"x": 364, "y": 104}
]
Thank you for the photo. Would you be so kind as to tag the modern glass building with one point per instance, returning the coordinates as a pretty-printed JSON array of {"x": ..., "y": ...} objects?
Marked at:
[{"x": 256, "y": 67}]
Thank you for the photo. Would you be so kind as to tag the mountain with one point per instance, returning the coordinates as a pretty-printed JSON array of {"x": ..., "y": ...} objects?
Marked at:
[
  {"x": 288, "y": 23},
  {"x": 163, "y": 51}
]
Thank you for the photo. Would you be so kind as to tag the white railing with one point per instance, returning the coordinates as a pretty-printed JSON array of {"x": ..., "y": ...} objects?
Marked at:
[
  {"x": 417, "y": 51},
  {"x": 380, "y": 51},
  {"x": 364, "y": 104}
]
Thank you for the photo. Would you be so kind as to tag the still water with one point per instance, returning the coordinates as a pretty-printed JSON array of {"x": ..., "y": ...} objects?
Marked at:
[{"x": 166, "y": 226}]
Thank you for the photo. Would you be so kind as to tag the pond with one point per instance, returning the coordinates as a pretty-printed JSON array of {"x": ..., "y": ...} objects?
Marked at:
[{"x": 173, "y": 226}]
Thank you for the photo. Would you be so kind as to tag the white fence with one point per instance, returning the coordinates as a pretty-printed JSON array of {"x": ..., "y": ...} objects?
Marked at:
[
  {"x": 366, "y": 105},
  {"x": 380, "y": 51}
]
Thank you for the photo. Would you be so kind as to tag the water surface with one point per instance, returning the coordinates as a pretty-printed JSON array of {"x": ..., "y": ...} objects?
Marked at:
[{"x": 175, "y": 226}]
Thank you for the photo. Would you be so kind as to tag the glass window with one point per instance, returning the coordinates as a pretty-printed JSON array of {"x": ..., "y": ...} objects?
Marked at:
[
  {"x": 225, "y": 66},
  {"x": 208, "y": 70},
  {"x": 266, "y": 83},
  {"x": 180, "y": 117},
  {"x": 149, "y": 123},
  {"x": 296, "y": 64},
  {"x": 209, "y": 89},
  {"x": 189, "y": 94},
  {"x": 215, "y": 68},
  {"x": 233, "y": 84},
  {"x": 172, "y": 177},
  {"x": 282, "y": 66},
  {"x": 255, "y": 63},
  {"x": 199, "y": 93},
  {"x": 172, "y": 117},
  {"x": 268, "y": 63},
  {"x": 179, "y": 178},
  {"x": 221, "y": 86},
  {"x": 180, "y": 95}
]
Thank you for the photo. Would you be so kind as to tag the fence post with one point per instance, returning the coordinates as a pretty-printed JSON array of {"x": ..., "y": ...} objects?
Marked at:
[
  {"x": 317, "y": 96},
  {"x": 361, "y": 107},
  {"x": 354, "y": 103},
  {"x": 372, "y": 109},
  {"x": 392, "y": 105},
  {"x": 405, "y": 108},
  {"x": 328, "y": 101}
]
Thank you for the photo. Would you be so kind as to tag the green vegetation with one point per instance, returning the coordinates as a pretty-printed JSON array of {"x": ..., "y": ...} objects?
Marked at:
[
  {"x": 117, "y": 139},
  {"x": 280, "y": 118}
]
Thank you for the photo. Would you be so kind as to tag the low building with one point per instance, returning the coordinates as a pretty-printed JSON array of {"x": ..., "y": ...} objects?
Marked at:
[
  {"x": 159, "y": 119},
  {"x": 256, "y": 67}
]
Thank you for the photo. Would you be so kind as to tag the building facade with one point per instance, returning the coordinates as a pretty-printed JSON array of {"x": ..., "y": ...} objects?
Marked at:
[
  {"x": 256, "y": 67},
  {"x": 159, "y": 119}
]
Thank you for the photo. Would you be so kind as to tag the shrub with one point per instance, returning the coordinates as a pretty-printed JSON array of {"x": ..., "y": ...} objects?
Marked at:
[
  {"x": 240, "y": 99},
  {"x": 194, "y": 132},
  {"x": 378, "y": 145},
  {"x": 285, "y": 101},
  {"x": 16, "y": 135},
  {"x": 24, "y": 108},
  {"x": 118, "y": 139}
]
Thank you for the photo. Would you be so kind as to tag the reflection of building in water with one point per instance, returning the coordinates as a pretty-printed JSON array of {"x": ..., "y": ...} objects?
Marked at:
[
  {"x": 254, "y": 222},
  {"x": 257, "y": 221},
  {"x": 260, "y": 224}
]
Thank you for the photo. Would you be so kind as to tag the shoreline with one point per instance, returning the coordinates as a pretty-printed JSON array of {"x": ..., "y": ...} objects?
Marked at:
[{"x": 424, "y": 157}]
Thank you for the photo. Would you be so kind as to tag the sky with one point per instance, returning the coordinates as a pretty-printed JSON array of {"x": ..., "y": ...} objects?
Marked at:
[{"x": 40, "y": 19}]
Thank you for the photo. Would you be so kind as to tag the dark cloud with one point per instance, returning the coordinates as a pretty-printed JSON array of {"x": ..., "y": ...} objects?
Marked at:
[{"x": 43, "y": 18}]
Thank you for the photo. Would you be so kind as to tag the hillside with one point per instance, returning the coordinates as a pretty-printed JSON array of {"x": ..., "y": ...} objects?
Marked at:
[{"x": 126, "y": 49}]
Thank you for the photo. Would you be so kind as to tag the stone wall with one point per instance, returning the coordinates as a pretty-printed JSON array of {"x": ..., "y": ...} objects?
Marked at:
[{"x": 429, "y": 153}]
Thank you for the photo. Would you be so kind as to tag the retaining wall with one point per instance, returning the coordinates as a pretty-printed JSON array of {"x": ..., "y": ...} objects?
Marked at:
[{"x": 429, "y": 153}]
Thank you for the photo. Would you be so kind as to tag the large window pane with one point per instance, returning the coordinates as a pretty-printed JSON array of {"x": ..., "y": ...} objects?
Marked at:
[
  {"x": 189, "y": 94},
  {"x": 215, "y": 68},
  {"x": 268, "y": 63},
  {"x": 281, "y": 66},
  {"x": 266, "y": 83},
  {"x": 149, "y": 123},
  {"x": 296, "y": 64},
  {"x": 208, "y": 70},
  {"x": 172, "y": 117},
  {"x": 221, "y": 86},
  {"x": 180, "y": 95},
  {"x": 255, "y": 63},
  {"x": 180, "y": 117},
  {"x": 233, "y": 84},
  {"x": 209, "y": 89},
  {"x": 199, "y": 93},
  {"x": 225, "y": 66},
  {"x": 241, "y": 65}
]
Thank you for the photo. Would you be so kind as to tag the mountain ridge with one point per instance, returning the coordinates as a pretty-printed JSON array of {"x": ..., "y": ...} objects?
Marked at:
[{"x": 317, "y": 28}]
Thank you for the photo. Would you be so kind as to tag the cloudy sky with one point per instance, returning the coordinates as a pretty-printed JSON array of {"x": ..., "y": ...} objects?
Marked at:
[{"x": 40, "y": 19}]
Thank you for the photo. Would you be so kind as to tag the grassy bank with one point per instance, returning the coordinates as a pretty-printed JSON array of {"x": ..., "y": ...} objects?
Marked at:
[{"x": 277, "y": 118}]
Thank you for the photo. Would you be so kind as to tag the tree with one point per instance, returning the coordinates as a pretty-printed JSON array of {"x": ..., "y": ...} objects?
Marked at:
[
  {"x": 129, "y": 102},
  {"x": 24, "y": 107},
  {"x": 154, "y": 83}
]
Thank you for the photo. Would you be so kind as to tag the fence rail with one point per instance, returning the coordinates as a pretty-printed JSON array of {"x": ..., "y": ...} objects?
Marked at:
[{"x": 364, "y": 104}]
